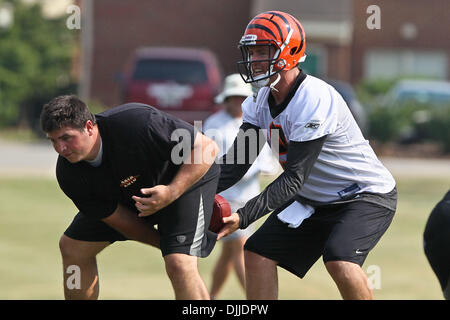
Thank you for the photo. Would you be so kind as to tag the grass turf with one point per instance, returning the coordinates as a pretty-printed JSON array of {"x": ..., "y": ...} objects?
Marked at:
[{"x": 34, "y": 213}]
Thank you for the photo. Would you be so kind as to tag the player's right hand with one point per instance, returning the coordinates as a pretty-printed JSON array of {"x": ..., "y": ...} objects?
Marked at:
[{"x": 231, "y": 225}]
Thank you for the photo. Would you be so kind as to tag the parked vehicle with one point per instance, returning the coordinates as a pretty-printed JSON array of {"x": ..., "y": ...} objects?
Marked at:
[
  {"x": 431, "y": 93},
  {"x": 420, "y": 99},
  {"x": 179, "y": 81}
]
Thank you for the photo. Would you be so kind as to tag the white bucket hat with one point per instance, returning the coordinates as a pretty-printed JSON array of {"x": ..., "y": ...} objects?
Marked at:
[{"x": 234, "y": 86}]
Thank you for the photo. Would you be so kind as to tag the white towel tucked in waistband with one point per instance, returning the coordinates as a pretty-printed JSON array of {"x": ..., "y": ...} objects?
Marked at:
[{"x": 295, "y": 214}]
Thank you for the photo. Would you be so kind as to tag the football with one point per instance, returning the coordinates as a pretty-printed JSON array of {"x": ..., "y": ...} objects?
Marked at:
[{"x": 221, "y": 208}]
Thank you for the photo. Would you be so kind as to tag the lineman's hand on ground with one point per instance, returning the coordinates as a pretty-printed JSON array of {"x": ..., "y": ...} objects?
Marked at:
[
  {"x": 231, "y": 225},
  {"x": 157, "y": 198}
]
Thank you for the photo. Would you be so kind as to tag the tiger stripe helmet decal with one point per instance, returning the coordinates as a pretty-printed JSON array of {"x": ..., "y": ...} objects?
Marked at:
[{"x": 282, "y": 33}]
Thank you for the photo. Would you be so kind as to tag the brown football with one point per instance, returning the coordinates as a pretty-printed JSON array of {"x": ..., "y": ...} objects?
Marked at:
[{"x": 221, "y": 208}]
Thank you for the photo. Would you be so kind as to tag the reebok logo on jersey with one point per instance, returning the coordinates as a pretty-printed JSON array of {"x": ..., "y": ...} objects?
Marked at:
[
  {"x": 313, "y": 124},
  {"x": 128, "y": 181}
]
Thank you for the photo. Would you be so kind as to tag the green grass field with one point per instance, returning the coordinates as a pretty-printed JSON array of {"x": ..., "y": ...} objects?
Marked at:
[{"x": 34, "y": 213}]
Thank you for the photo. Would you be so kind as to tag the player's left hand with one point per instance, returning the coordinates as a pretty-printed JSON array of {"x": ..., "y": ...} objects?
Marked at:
[{"x": 158, "y": 197}]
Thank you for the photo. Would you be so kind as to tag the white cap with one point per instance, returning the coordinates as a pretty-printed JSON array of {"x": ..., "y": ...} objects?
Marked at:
[{"x": 234, "y": 86}]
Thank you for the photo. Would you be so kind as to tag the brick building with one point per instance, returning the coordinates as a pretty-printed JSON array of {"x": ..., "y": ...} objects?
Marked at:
[
  {"x": 412, "y": 39},
  {"x": 115, "y": 28}
]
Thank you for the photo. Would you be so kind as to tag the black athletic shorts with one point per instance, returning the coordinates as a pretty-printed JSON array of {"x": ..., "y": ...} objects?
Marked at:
[
  {"x": 339, "y": 232},
  {"x": 183, "y": 225},
  {"x": 436, "y": 242}
]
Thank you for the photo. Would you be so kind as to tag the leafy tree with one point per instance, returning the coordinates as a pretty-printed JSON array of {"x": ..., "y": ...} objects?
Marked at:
[{"x": 35, "y": 63}]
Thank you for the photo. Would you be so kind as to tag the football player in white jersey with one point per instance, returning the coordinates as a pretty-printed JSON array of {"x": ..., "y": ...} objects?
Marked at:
[{"x": 335, "y": 199}]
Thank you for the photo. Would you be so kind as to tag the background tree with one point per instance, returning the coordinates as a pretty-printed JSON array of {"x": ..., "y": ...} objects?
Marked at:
[{"x": 35, "y": 63}]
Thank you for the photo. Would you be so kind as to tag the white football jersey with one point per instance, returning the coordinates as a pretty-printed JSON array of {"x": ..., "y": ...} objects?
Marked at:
[
  {"x": 346, "y": 165},
  {"x": 223, "y": 129}
]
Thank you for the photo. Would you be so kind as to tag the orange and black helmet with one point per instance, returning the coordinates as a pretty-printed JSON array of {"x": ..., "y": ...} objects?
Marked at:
[{"x": 279, "y": 31}]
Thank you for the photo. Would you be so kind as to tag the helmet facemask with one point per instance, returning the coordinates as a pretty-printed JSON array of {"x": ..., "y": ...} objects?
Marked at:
[
  {"x": 246, "y": 67},
  {"x": 285, "y": 40}
]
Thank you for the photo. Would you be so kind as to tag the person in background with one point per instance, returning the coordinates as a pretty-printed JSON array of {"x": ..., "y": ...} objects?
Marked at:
[{"x": 223, "y": 127}]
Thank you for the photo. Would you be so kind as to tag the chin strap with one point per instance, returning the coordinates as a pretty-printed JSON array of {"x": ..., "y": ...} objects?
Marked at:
[
  {"x": 273, "y": 84},
  {"x": 255, "y": 91},
  {"x": 257, "y": 85}
]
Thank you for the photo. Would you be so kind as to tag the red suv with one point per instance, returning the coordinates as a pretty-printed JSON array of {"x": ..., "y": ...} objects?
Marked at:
[{"x": 179, "y": 81}]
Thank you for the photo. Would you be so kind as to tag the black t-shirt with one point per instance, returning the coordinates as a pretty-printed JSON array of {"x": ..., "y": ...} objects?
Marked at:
[{"x": 137, "y": 148}]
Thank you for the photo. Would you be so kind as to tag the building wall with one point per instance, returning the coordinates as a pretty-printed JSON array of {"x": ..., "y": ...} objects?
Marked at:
[
  {"x": 429, "y": 21},
  {"x": 339, "y": 62},
  {"x": 121, "y": 26},
  {"x": 118, "y": 27},
  {"x": 328, "y": 28}
]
